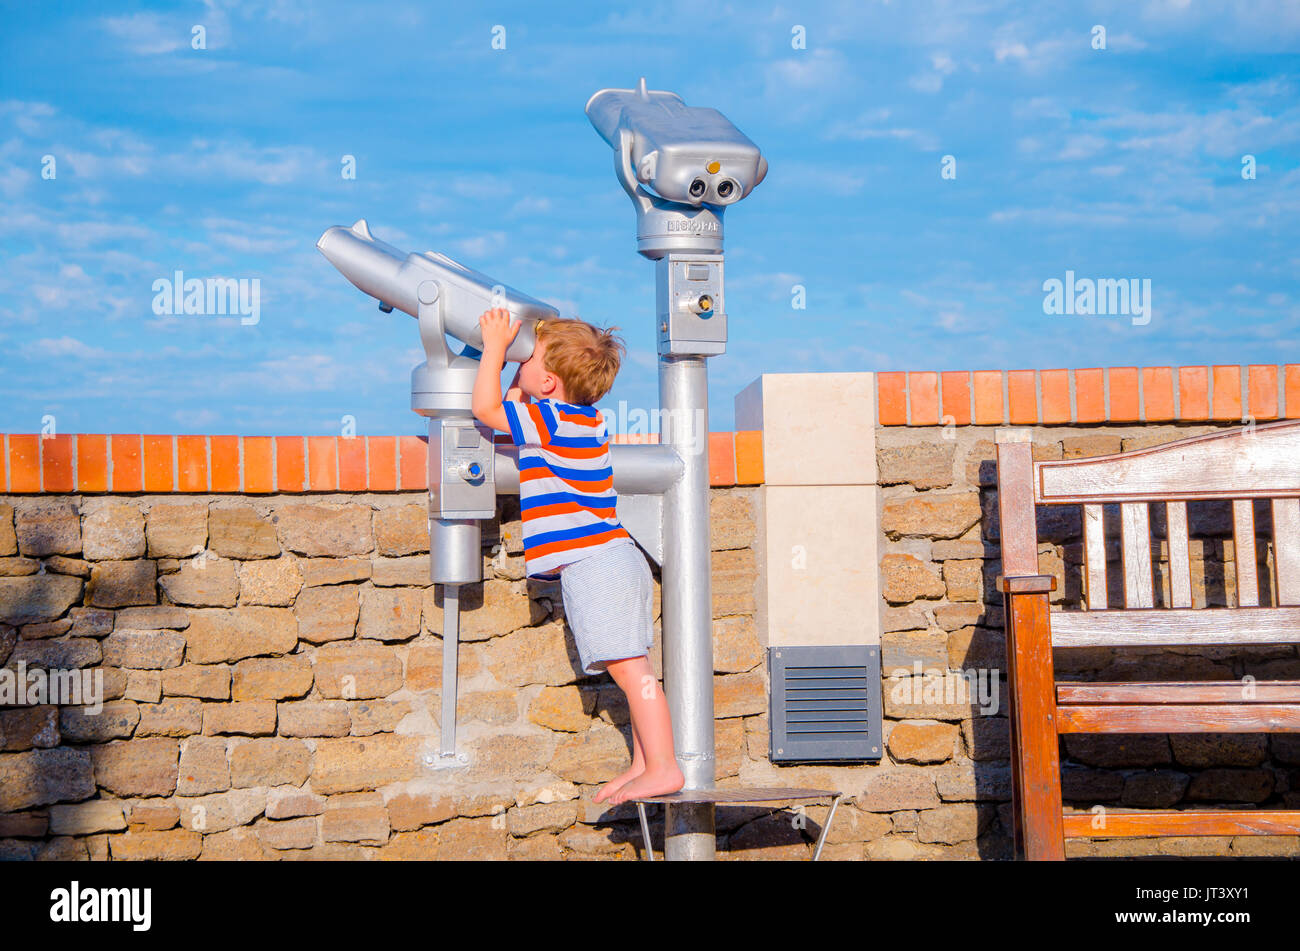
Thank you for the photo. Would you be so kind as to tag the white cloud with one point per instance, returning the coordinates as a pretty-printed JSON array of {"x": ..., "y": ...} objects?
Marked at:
[
  {"x": 931, "y": 81},
  {"x": 58, "y": 348},
  {"x": 480, "y": 246},
  {"x": 145, "y": 34}
]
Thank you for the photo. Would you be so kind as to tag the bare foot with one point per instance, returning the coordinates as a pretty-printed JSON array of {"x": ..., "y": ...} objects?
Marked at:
[
  {"x": 653, "y": 782},
  {"x": 611, "y": 787}
]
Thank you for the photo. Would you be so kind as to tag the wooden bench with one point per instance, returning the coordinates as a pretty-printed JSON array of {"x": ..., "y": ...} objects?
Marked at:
[{"x": 1240, "y": 465}]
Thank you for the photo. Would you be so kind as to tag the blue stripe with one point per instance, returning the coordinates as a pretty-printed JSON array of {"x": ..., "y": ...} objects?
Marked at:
[
  {"x": 554, "y": 498},
  {"x": 515, "y": 432},
  {"x": 579, "y": 442},
  {"x": 568, "y": 533},
  {"x": 549, "y": 418},
  {"x": 575, "y": 475},
  {"x": 578, "y": 409},
  {"x": 551, "y": 498}
]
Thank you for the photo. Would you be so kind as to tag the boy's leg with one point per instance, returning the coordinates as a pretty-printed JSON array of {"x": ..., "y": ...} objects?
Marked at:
[
  {"x": 637, "y": 767},
  {"x": 651, "y": 724}
]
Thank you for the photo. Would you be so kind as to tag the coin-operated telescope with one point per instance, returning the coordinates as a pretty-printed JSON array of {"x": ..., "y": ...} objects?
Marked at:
[
  {"x": 445, "y": 297},
  {"x": 683, "y": 166}
]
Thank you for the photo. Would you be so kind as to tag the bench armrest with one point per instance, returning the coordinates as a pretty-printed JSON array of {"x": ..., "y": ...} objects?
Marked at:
[{"x": 1026, "y": 584}]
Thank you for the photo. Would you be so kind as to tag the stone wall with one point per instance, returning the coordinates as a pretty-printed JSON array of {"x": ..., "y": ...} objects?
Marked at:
[
  {"x": 271, "y": 672},
  {"x": 949, "y": 763}
]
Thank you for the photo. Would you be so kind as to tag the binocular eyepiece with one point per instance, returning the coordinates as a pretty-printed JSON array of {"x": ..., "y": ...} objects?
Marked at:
[{"x": 686, "y": 154}]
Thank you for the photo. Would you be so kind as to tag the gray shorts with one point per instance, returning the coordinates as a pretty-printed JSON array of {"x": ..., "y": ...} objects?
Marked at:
[{"x": 609, "y": 604}]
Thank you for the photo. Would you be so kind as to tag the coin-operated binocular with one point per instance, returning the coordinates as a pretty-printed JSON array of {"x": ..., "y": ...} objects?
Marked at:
[
  {"x": 445, "y": 297},
  {"x": 681, "y": 166}
]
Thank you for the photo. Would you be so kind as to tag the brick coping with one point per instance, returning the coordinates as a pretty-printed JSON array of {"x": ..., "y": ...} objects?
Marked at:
[
  {"x": 255, "y": 465},
  {"x": 1090, "y": 395}
]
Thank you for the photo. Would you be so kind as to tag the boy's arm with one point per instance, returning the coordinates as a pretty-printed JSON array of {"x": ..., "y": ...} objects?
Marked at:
[{"x": 485, "y": 401}]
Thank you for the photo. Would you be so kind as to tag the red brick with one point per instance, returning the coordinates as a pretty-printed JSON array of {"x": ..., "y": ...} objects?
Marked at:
[
  {"x": 290, "y": 463},
  {"x": 722, "y": 458},
  {"x": 749, "y": 457},
  {"x": 956, "y": 396},
  {"x": 382, "y": 452},
  {"x": 1123, "y": 394},
  {"x": 322, "y": 475},
  {"x": 225, "y": 463},
  {"x": 1261, "y": 386},
  {"x": 1022, "y": 397},
  {"x": 1227, "y": 392},
  {"x": 56, "y": 462},
  {"x": 24, "y": 463},
  {"x": 1055, "y": 385},
  {"x": 413, "y": 461},
  {"x": 259, "y": 473},
  {"x": 158, "y": 464},
  {"x": 891, "y": 398},
  {"x": 352, "y": 463},
  {"x": 988, "y": 397},
  {"x": 127, "y": 470},
  {"x": 923, "y": 390},
  {"x": 1193, "y": 393},
  {"x": 192, "y": 463},
  {"x": 1090, "y": 395},
  {"x": 92, "y": 463},
  {"x": 1292, "y": 381},
  {"x": 1158, "y": 393}
]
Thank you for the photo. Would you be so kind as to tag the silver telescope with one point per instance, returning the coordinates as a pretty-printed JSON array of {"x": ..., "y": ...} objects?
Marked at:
[
  {"x": 445, "y": 297},
  {"x": 394, "y": 278}
]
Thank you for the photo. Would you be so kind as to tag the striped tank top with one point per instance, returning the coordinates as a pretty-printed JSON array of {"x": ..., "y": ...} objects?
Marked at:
[{"x": 566, "y": 484}]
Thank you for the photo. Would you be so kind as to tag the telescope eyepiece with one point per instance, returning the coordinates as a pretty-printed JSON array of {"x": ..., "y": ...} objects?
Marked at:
[
  {"x": 697, "y": 188},
  {"x": 726, "y": 188}
]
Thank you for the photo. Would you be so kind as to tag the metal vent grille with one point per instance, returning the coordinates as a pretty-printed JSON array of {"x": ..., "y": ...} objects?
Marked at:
[{"x": 825, "y": 703}]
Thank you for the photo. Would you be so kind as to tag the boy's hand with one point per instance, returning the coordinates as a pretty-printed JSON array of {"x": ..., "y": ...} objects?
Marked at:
[
  {"x": 498, "y": 329},
  {"x": 515, "y": 392}
]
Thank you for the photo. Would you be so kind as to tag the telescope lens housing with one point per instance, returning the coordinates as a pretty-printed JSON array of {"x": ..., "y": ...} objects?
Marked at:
[
  {"x": 725, "y": 188},
  {"x": 697, "y": 188}
]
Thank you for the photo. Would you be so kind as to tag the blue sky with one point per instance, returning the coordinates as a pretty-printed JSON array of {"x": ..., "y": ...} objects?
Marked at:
[{"x": 225, "y": 162}]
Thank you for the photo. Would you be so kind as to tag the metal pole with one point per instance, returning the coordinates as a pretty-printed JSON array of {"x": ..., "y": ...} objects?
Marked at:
[
  {"x": 450, "y": 644},
  {"x": 688, "y": 604}
]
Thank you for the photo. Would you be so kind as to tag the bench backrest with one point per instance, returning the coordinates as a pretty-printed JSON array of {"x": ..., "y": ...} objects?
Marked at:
[{"x": 1239, "y": 465}]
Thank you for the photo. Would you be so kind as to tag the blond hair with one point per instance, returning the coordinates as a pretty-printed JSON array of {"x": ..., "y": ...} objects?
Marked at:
[{"x": 585, "y": 358}]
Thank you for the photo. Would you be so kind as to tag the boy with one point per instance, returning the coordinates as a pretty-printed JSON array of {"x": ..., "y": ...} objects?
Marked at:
[{"x": 566, "y": 496}]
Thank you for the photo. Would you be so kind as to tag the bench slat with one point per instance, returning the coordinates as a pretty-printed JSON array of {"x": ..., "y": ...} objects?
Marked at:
[
  {"x": 1234, "y": 464},
  {"x": 1180, "y": 567},
  {"x": 1243, "y": 544},
  {"x": 1094, "y": 555},
  {"x": 1179, "y": 718},
  {"x": 1180, "y": 691},
  {"x": 1187, "y": 822},
  {"x": 1286, "y": 548},
  {"x": 1153, "y": 627},
  {"x": 1135, "y": 525}
]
